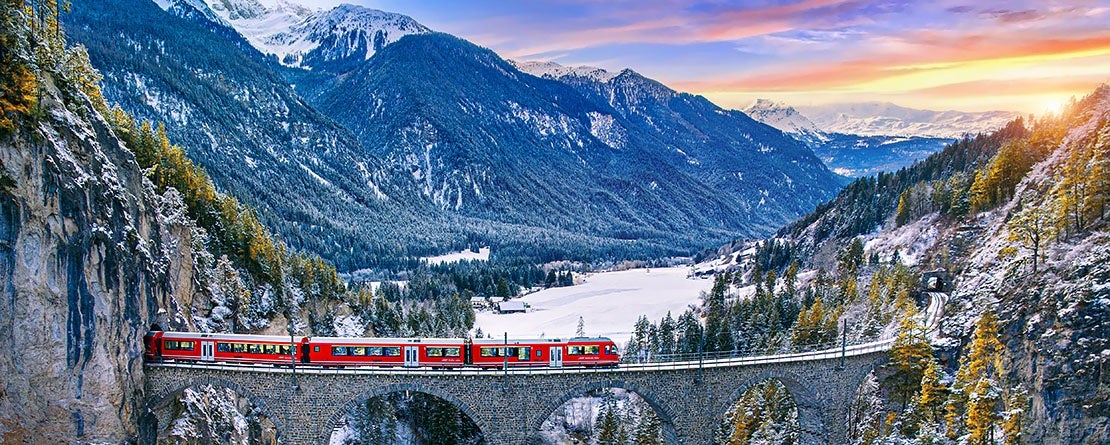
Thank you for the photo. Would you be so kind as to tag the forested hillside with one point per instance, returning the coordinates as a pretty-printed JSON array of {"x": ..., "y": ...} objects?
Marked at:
[{"x": 1013, "y": 224}]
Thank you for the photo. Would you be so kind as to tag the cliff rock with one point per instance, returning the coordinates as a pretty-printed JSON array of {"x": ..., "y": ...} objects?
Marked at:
[{"x": 86, "y": 261}]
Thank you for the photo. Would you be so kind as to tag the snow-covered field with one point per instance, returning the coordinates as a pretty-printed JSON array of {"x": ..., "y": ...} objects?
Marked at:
[
  {"x": 609, "y": 304},
  {"x": 454, "y": 257}
]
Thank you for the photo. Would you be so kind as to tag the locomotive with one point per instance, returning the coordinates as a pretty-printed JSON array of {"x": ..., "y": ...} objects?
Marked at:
[{"x": 379, "y": 352}]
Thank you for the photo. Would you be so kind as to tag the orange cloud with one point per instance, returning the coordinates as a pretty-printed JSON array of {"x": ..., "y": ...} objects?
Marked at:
[{"x": 968, "y": 53}]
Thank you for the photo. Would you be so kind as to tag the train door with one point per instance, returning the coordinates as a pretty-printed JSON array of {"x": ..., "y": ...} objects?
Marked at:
[
  {"x": 556, "y": 356},
  {"x": 207, "y": 351},
  {"x": 412, "y": 356}
]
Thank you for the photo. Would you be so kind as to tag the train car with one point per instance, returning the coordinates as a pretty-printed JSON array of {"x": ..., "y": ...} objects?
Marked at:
[
  {"x": 191, "y": 346},
  {"x": 386, "y": 352},
  {"x": 407, "y": 352},
  {"x": 598, "y": 351},
  {"x": 489, "y": 353},
  {"x": 152, "y": 345}
]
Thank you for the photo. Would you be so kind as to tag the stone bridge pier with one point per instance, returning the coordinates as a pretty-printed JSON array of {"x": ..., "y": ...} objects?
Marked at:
[{"x": 510, "y": 407}]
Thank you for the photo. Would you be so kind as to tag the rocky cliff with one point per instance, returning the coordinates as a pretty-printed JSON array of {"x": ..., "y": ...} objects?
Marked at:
[{"x": 87, "y": 258}]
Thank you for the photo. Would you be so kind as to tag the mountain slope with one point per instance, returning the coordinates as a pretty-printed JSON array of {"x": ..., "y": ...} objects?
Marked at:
[
  {"x": 1015, "y": 225},
  {"x": 310, "y": 179},
  {"x": 488, "y": 141}
]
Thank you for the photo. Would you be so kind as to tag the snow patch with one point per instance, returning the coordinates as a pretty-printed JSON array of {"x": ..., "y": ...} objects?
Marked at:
[{"x": 609, "y": 304}]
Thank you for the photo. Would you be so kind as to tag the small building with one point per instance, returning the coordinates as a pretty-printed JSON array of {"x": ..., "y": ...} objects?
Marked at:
[
  {"x": 511, "y": 306},
  {"x": 478, "y": 303}
]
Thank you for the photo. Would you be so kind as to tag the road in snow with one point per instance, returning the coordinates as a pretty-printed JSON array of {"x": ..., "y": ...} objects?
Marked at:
[{"x": 609, "y": 303}]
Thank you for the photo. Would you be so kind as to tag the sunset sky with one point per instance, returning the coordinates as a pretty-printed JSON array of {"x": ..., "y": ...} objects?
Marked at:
[{"x": 967, "y": 55}]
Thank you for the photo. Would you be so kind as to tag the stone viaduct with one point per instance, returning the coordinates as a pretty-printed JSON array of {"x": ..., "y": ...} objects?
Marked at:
[
  {"x": 509, "y": 406},
  {"x": 690, "y": 397}
]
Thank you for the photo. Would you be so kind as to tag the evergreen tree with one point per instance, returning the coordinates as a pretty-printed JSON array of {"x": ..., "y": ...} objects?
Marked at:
[
  {"x": 911, "y": 354},
  {"x": 581, "y": 331},
  {"x": 1033, "y": 227},
  {"x": 1012, "y": 419},
  {"x": 976, "y": 382},
  {"x": 790, "y": 281},
  {"x": 902, "y": 214},
  {"x": 932, "y": 394},
  {"x": 610, "y": 425},
  {"x": 18, "y": 86},
  {"x": 667, "y": 335}
]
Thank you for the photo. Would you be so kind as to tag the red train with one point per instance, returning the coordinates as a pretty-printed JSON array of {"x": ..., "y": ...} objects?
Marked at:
[{"x": 386, "y": 352}]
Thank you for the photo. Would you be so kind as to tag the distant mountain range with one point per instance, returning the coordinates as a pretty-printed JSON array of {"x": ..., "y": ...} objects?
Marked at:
[
  {"x": 865, "y": 139},
  {"x": 361, "y": 136},
  {"x": 887, "y": 119}
]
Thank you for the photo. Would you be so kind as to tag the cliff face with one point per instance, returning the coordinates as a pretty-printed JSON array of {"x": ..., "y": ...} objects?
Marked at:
[{"x": 86, "y": 261}]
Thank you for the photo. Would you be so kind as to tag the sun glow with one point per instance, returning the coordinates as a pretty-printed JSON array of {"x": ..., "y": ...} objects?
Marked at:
[{"x": 1053, "y": 105}]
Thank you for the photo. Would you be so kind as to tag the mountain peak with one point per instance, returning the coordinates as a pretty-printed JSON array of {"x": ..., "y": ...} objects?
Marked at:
[
  {"x": 786, "y": 119},
  {"x": 335, "y": 39}
]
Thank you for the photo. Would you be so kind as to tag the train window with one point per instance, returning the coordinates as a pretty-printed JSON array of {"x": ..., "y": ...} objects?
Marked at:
[
  {"x": 338, "y": 350},
  {"x": 434, "y": 352},
  {"x": 590, "y": 350},
  {"x": 223, "y": 347},
  {"x": 393, "y": 352},
  {"x": 269, "y": 349},
  {"x": 574, "y": 350},
  {"x": 611, "y": 350},
  {"x": 491, "y": 352},
  {"x": 359, "y": 350},
  {"x": 539, "y": 353},
  {"x": 451, "y": 352},
  {"x": 374, "y": 352},
  {"x": 524, "y": 354},
  {"x": 315, "y": 349},
  {"x": 174, "y": 345},
  {"x": 512, "y": 352},
  {"x": 254, "y": 348},
  {"x": 283, "y": 349},
  {"x": 238, "y": 347}
]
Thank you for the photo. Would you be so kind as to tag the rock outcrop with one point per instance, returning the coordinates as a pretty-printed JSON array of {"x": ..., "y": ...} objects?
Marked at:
[{"x": 87, "y": 258}]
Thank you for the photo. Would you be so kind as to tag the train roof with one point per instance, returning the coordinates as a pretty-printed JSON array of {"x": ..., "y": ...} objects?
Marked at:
[
  {"x": 233, "y": 337},
  {"x": 495, "y": 341},
  {"x": 412, "y": 340}
]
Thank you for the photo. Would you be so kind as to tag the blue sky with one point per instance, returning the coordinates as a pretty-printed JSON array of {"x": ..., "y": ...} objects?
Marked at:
[{"x": 1020, "y": 55}]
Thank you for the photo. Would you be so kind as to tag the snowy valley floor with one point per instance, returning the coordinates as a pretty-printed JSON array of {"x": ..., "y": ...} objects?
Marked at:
[{"x": 609, "y": 304}]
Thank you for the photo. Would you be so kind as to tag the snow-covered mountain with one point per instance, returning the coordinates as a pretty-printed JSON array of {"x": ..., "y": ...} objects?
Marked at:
[
  {"x": 851, "y": 155},
  {"x": 337, "y": 38},
  {"x": 787, "y": 119},
  {"x": 552, "y": 70},
  {"x": 887, "y": 119}
]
